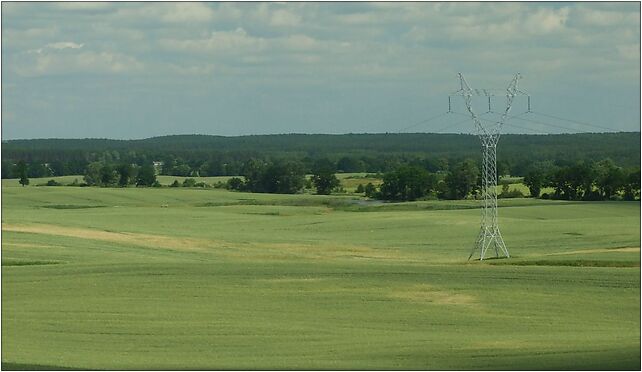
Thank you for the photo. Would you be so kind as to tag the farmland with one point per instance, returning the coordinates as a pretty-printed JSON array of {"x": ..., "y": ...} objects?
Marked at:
[{"x": 183, "y": 278}]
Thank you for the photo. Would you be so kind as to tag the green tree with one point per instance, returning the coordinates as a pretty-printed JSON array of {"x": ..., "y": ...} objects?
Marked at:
[
  {"x": 323, "y": 177},
  {"x": 92, "y": 174},
  {"x": 349, "y": 164},
  {"x": 108, "y": 176},
  {"x": 146, "y": 176},
  {"x": 407, "y": 183},
  {"x": 21, "y": 172},
  {"x": 125, "y": 174},
  {"x": 632, "y": 185},
  {"x": 370, "y": 190},
  {"x": 535, "y": 179},
  {"x": 189, "y": 182},
  {"x": 253, "y": 170},
  {"x": 462, "y": 179},
  {"x": 609, "y": 178},
  {"x": 282, "y": 177},
  {"x": 234, "y": 183}
]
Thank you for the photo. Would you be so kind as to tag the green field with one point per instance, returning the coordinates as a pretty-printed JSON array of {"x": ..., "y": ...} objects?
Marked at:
[{"x": 162, "y": 278}]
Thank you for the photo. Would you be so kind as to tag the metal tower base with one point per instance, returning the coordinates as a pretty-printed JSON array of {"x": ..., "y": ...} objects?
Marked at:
[{"x": 489, "y": 238}]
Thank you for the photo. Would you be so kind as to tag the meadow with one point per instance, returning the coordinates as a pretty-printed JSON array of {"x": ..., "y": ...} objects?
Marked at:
[{"x": 186, "y": 278}]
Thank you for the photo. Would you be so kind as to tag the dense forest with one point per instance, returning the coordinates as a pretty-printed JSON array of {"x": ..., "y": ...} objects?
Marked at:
[{"x": 200, "y": 155}]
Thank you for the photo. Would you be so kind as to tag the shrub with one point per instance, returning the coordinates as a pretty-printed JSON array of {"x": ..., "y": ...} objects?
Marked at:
[
  {"x": 507, "y": 194},
  {"x": 189, "y": 182},
  {"x": 53, "y": 183},
  {"x": 370, "y": 190},
  {"x": 234, "y": 183}
]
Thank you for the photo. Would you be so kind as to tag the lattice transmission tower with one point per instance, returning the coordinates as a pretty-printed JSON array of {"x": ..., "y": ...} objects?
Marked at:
[{"x": 489, "y": 234}]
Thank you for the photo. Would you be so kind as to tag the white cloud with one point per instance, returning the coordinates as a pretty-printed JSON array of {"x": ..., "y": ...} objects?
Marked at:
[
  {"x": 57, "y": 63},
  {"x": 187, "y": 12},
  {"x": 545, "y": 21},
  {"x": 65, "y": 45},
  {"x": 284, "y": 18},
  {"x": 237, "y": 41},
  {"x": 82, "y": 5}
]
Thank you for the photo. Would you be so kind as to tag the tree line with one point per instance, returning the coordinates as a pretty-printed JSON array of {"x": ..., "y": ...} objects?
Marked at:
[
  {"x": 192, "y": 156},
  {"x": 600, "y": 180}
]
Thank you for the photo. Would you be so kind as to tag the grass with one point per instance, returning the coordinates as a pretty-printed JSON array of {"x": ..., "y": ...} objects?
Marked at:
[{"x": 228, "y": 280}]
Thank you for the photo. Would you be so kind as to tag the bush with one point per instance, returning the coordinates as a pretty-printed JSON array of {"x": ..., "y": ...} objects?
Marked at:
[
  {"x": 507, "y": 194},
  {"x": 234, "y": 183},
  {"x": 360, "y": 189},
  {"x": 175, "y": 184},
  {"x": 53, "y": 183},
  {"x": 370, "y": 190},
  {"x": 189, "y": 182}
]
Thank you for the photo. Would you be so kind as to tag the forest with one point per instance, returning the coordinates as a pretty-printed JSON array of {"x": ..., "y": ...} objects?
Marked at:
[{"x": 200, "y": 155}]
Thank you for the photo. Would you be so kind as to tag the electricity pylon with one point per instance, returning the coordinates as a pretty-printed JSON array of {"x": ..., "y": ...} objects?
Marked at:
[{"x": 489, "y": 235}]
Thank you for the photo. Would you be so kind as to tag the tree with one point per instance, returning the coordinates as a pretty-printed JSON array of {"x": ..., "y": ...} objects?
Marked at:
[
  {"x": 573, "y": 182},
  {"x": 323, "y": 177},
  {"x": 21, "y": 172},
  {"x": 535, "y": 179},
  {"x": 92, "y": 173},
  {"x": 609, "y": 178},
  {"x": 108, "y": 176},
  {"x": 407, "y": 183},
  {"x": 146, "y": 176},
  {"x": 462, "y": 179},
  {"x": 370, "y": 190},
  {"x": 350, "y": 165},
  {"x": 125, "y": 174},
  {"x": 253, "y": 170},
  {"x": 175, "y": 184},
  {"x": 360, "y": 189},
  {"x": 189, "y": 182},
  {"x": 632, "y": 185},
  {"x": 282, "y": 178},
  {"x": 235, "y": 183}
]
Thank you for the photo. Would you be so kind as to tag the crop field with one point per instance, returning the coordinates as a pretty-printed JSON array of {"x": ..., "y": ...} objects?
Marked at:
[{"x": 182, "y": 278}]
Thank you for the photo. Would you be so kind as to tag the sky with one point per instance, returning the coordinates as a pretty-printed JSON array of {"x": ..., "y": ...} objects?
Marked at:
[{"x": 139, "y": 70}]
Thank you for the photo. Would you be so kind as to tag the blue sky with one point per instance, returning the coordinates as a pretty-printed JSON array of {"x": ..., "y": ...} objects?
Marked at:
[{"x": 137, "y": 70}]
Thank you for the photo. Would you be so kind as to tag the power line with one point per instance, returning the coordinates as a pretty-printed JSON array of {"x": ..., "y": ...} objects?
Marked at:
[
  {"x": 452, "y": 125},
  {"x": 422, "y": 122},
  {"x": 574, "y": 121},
  {"x": 551, "y": 125},
  {"x": 518, "y": 117}
]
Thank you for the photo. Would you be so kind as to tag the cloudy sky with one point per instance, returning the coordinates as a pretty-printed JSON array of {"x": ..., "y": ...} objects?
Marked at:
[{"x": 137, "y": 70}]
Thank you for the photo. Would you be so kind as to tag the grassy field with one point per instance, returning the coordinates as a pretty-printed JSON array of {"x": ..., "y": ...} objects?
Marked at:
[{"x": 210, "y": 279}]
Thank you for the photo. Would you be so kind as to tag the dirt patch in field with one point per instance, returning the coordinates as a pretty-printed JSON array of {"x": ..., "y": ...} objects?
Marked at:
[
  {"x": 26, "y": 245},
  {"x": 599, "y": 250},
  {"x": 292, "y": 280},
  {"x": 145, "y": 240},
  {"x": 428, "y": 294},
  {"x": 247, "y": 250}
]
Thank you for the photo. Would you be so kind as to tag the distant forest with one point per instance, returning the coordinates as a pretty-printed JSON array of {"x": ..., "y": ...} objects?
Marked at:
[{"x": 201, "y": 155}]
